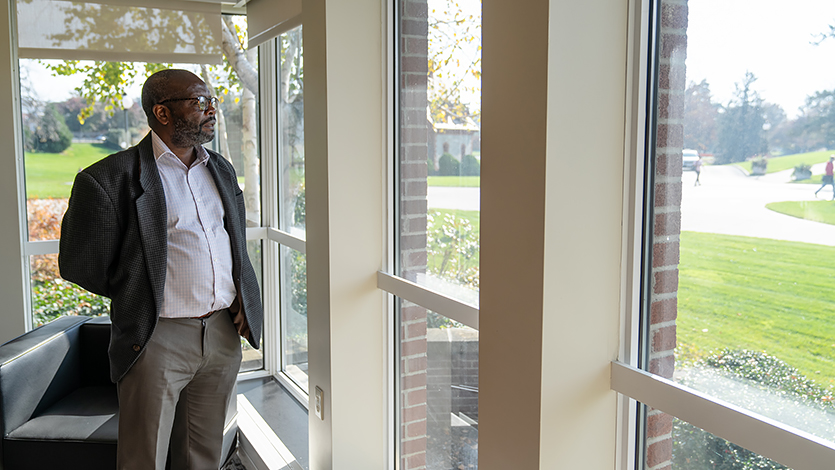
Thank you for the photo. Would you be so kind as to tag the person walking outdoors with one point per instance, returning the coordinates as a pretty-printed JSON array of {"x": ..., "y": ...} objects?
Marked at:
[
  {"x": 697, "y": 167},
  {"x": 827, "y": 177}
]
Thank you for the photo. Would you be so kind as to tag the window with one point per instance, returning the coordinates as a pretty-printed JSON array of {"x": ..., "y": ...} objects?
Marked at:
[
  {"x": 736, "y": 282},
  {"x": 69, "y": 122},
  {"x": 438, "y": 167}
]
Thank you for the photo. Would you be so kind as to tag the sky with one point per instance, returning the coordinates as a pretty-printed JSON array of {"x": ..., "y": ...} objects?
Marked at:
[{"x": 771, "y": 39}]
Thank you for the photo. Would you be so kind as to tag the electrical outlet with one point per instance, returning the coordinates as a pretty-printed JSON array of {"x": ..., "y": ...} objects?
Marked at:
[{"x": 319, "y": 403}]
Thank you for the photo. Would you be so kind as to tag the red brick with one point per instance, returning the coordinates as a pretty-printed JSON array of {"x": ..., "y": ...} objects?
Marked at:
[
  {"x": 668, "y": 194},
  {"x": 666, "y": 282},
  {"x": 415, "y": 9},
  {"x": 673, "y": 16},
  {"x": 659, "y": 452},
  {"x": 413, "y": 446},
  {"x": 412, "y": 313},
  {"x": 673, "y": 46},
  {"x": 414, "y": 398},
  {"x": 415, "y": 207},
  {"x": 668, "y": 164},
  {"x": 416, "y": 330},
  {"x": 416, "y": 461},
  {"x": 414, "y": 413},
  {"x": 665, "y": 254},
  {"x": 663, "y": 311},
  {"x": 664, "y": 339},
  {"x": 669, "y": 135},
  {"x": 416, "y": 429},
  {"x": 414, "y": 27},
  {"x": 672, "y": 77},
  {"x": 417, "y": 259},
  {"x": 415, "y": 170},
  {"x": 667, "y": 223},
  {"x": 659, "y": 425},
  {"x": 416, "y": 189},
  {"x": 663, "y": 366},
  {"x": 415, "y": 364},
  {"x": 416, "y": 45},
  {"x": 413, "y": 347},
  {"x": 413, "y": 80},
  {"x": 413, "y": 381},
  {"x": 670, "y": 106},
  {"x": 413, "y": 242}
]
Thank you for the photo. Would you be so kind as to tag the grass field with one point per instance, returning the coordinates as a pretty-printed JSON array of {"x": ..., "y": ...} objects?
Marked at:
[
  {"x": 790, "y": 161},
  {"x": 50, "y": 175},
  {"x": 758, "y": 294},
  {"x": 817, "y": 211},
  {"x": 457, "y": 181},
  {"x": 474, "y": 217}
]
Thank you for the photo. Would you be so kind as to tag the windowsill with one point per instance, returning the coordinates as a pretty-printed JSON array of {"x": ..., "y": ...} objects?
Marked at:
[{"x": 273, "y": 426}]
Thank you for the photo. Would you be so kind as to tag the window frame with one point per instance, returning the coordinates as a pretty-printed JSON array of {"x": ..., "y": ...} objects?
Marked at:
[{"x": 637, "y": 388}]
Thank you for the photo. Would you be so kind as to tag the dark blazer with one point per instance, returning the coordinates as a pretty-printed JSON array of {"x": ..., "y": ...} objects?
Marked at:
[{"x": 114, "y": 243}]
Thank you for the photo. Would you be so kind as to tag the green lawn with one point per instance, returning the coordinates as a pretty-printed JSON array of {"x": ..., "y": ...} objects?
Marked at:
[
  {"x": 818, "y": 211},
  {"x": 50, "y": 175},
  {"x": 790, "y": 161},
  {"x": 474, "y": 217},
  {"x": 459, "y": 181},
  {"x": 758, "y": 294}
]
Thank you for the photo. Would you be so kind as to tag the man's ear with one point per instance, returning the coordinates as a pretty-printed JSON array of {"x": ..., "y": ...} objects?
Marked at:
[{"x": 162, "y": 114}]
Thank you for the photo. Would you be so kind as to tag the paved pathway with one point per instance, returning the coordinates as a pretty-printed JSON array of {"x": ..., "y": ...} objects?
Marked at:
[{"x": 728, "y": 202}]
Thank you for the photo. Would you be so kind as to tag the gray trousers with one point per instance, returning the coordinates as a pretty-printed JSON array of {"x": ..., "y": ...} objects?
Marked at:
[{"x": 178, "y": 391}]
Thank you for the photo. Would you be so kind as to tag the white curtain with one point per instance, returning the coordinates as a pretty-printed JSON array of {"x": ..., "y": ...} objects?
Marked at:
[
  {"x": 267, "y": 19},
  {"x": 162, "y": 31}
]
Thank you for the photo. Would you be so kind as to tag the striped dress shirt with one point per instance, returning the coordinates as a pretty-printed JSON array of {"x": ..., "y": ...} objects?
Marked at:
[{"x": 198, "y": 277}]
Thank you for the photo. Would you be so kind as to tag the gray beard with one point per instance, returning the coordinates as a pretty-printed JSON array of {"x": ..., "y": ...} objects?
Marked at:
[{"x": 187, "y": 136}]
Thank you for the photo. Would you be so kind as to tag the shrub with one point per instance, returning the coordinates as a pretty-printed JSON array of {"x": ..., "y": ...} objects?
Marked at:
[
  {"x": 802, "y": 172},
  {"x": 51, "y": 133},
  {"x": 115, "y": 137},
  {"x": 470, "y": 166},
  {"x": 57, "y": 298},
  {"x": 430, "y": 166},
  {"x": 448, "y": 165},
  {"x": 759, "y": 165}
]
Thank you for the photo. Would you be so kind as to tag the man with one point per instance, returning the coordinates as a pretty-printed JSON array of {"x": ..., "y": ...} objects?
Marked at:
[
  {"x": 697, "y": 167},
  {"x": 828, "y": 177},
  {"x": 160, "y": 229}
]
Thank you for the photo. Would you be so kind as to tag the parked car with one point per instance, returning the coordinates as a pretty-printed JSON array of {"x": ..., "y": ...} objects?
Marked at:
[{"x": 689, "y": 158}]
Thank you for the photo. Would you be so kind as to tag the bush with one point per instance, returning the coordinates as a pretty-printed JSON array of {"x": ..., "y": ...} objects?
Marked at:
[
  {"x": 470, "y": 166},
  {"x": 694, "y": 448},
  {"x": 115, "y": 137},
  {"x": 448, "y": 165},
  {"x": 802, "y": 172},
  {"x": 58, "y": 298},
  {"x": 430, "y": 166},
  {"x": 759, "y": 165},
  {"x": 51, "y": 133}
]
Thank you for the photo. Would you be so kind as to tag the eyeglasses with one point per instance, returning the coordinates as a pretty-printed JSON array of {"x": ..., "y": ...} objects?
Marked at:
[{"x": 203, "y": 102}]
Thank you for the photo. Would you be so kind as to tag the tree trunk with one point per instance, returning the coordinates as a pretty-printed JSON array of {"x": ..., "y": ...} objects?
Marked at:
[
  {"x": 249, "y": 150},
  {"x": 223, "y": 141}
]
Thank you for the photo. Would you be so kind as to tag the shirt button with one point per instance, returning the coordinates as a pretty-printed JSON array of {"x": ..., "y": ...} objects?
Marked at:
[{"x": 136, "y": 347}]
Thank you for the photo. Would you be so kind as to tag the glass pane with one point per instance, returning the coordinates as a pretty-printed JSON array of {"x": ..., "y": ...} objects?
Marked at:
[
  {"x": 294, "y": 315},
  {"x": 740, "y": 284},
  {"x": 438, "y": 391},
  {"x": 291, "y": 136},
  {"x": 53, "y": 297},
  {"x": 253, "y": 359},
  {"x": 696, "y": 449},
  {"x": 440, "y": 145}
]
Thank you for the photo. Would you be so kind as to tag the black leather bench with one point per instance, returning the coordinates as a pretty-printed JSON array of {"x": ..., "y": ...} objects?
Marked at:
[{"x": 59, "y": 408}]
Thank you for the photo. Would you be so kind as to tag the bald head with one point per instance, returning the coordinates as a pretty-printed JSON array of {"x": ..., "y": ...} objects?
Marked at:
[{"x": 162, "y": 86}]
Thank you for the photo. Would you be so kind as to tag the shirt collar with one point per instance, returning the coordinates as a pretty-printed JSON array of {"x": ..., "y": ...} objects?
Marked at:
[{"x": 161, "y": 149}]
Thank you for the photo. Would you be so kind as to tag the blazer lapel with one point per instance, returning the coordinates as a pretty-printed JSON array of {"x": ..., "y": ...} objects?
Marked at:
[
  {"x": 152, "y": 216},
  {"x": 230, "y": 208}
]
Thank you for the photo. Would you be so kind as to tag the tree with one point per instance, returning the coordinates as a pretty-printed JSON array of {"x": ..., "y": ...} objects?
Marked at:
[
  {"x": 700, "y": 115},
  {"x": 741, "y": 125},
  {"x": 51, "y": 133},
  {"x": 819, "y": 113}
]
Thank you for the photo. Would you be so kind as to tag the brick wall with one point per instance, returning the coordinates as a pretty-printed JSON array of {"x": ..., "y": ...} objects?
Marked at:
[
  {"x": 667, "y": 222},
  {"x": 413, "y": 153}
]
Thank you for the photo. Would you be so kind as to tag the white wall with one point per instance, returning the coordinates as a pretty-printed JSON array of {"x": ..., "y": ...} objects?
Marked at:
[{"x": 584, "y": 205}]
